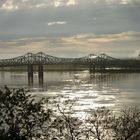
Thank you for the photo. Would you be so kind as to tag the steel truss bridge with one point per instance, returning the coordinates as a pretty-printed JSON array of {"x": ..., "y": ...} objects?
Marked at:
[
  {"x": 93, "y": 62},
  {"x": 44, "y": 59}
]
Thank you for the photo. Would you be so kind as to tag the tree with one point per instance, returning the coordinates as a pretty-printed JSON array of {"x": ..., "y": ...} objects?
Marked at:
[
  {"x": 21, "y": 116},
  {"x": 126, "y": 125},
  {"x": 65, "y": 126},
  {"x": 25, "y": 117},
  {"x": 98, "y": 124}
]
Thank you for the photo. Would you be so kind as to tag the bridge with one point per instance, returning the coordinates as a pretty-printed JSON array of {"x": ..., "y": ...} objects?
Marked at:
[{"x": 93, "y": 62}]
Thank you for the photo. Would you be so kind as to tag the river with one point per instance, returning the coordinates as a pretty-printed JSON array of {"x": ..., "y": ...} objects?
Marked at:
[{"x": 88, "y": 91}]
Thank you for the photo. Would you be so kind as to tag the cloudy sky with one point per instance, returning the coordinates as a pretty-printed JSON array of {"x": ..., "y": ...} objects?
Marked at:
[{"x": 70, "y": 28}]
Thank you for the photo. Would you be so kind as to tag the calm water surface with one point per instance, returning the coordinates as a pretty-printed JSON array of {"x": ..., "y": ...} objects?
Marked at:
[{"x": 88, "y": 91}]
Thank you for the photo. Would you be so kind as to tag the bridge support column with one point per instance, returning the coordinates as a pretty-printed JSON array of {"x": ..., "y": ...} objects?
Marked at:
[
  {"x": 30, "y": 75},
  {"x": 102, "y": 68},
  {"x": 92, "y": 68},
  {"x": 40, "y": 75}
]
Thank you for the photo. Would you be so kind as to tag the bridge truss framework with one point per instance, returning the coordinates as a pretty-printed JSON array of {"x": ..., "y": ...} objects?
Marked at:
[{"x": 92, "y": 61}]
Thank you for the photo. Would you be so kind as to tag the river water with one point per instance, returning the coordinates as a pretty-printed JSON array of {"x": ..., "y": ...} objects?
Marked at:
[{"x": 88, "y": 91}]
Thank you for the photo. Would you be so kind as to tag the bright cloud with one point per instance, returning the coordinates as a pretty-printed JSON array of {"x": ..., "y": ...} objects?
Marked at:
[
  {"x": 9, "y": 5},
  {"x": 112, "y": 2},
  {"x": 71, "y": 2},
  {"x": 24, "y": 4},
  {"x": 56, "y": 23},
  {"x": 57, "y": 3},
  {"x": 40, "y": 5},
  {"x": 124, "y": 2}
]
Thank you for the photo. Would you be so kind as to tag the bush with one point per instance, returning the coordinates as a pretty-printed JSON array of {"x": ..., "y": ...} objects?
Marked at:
[
  {"x": 24, "y": 117},
  {"x": 126, "y": 126},
  {"x": 99, "y": 122},
  {"x": 21, "y": 117}
]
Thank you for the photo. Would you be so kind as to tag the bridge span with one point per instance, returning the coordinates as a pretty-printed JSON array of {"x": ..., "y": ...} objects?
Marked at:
[{"x": 93, "y": 63}]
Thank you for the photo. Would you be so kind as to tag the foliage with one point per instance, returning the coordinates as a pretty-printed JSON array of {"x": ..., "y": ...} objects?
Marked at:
[
  {"x": 99, "y": 121},
  {"x": 21, "y": 117},
  {"x": 126, "y": 126},
  {"x": 24, "y": 117}
]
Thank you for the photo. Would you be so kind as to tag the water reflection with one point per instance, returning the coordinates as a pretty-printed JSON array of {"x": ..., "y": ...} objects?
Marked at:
[{"x": 86, "y": 90}]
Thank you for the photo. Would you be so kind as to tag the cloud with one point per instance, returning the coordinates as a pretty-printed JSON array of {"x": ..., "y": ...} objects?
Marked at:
[
  {"x": 124, "y": 43},
  {"x": 56, "y": 23},
  {"x": 77, "y": 45},
  {"x": 71, "y": 2},
  {"x": 111, "y": 1},
  {"x": 40, "y": 5},
  {"x": 59, "y": 3},
  {"x": 103, "y": 38},
  {"x": 9, "y": 5},
  {"x": 81, "y": 26},
  {"x": 12, "y": 5},
  {"x": 85, "y": 17},
  {"x": 22, "y": 45}
]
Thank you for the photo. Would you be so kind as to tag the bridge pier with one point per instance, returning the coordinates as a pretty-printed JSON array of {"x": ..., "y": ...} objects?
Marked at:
[
  {"x": 30, "y": 75},
  {"x": 40, "y": 75},
  {"x": 92, "y": 68},
  {"x": 102, "y": 68}
]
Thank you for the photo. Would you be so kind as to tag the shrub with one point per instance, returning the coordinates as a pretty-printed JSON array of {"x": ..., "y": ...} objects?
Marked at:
[
  {"x": 126, "y": 125},
  {"x": 24, "y": 117},
  {"x": 21, "y": 117}
]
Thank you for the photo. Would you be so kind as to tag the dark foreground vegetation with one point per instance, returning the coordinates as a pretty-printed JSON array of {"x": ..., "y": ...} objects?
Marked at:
[{"x": 23, "y": 117}]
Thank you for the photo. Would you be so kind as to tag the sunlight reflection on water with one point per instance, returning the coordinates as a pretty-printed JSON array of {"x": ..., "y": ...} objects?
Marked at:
[{"x": 88, "y": 91}]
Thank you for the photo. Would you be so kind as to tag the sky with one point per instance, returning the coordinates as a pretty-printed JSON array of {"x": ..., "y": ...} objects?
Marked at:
[{"x": 70, "y": 28}]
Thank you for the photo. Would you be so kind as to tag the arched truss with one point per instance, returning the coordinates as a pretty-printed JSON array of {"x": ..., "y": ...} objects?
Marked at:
[{"x": 42, "y": 58}]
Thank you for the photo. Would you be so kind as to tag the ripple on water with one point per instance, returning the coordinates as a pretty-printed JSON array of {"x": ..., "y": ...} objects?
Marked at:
[{"x": 86, "y": 90}]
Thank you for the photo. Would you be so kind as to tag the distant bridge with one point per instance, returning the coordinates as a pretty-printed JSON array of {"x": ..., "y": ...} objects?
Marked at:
[
  {"x": 44, "y": 59},
  {"x": 93, "y": 62}
]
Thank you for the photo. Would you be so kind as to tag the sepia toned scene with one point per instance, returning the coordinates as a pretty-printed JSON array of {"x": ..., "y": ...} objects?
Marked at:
[{"x": 69, "y": 70}]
